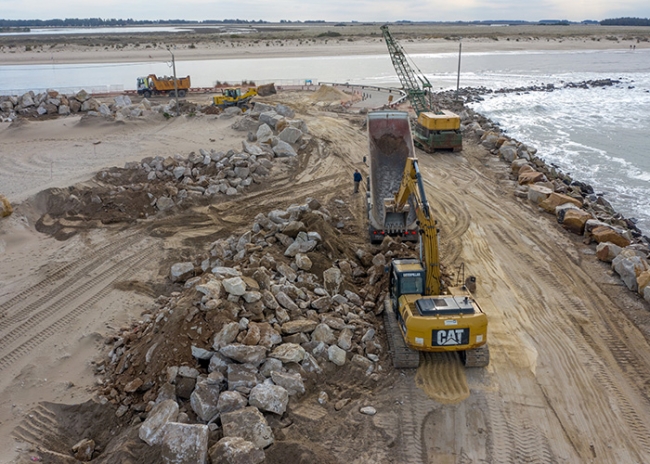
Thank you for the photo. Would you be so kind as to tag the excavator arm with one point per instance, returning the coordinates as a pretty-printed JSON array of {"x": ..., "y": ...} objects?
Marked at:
[{"x": 412, "y": 185}]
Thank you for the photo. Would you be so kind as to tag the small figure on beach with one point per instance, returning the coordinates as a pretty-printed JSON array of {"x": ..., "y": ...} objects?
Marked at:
[{"x": 357, "y": 180}]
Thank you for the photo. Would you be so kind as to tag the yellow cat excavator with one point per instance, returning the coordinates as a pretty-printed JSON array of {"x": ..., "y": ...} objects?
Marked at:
[{"x": 422, "y": 315}]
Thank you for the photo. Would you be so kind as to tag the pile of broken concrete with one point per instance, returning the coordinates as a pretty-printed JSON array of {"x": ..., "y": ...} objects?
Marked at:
[
  {"x": 156, "y": 184},
  {"x": 52, "y": 103},
  {"x": 268, "y": 314}
]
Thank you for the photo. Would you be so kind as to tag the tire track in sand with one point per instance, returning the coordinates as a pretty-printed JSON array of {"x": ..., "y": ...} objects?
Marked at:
[{"x": 50, "y": 316}]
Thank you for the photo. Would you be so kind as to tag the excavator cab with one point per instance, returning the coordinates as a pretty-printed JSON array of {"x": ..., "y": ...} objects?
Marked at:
[{"x": 232, "y": 92}]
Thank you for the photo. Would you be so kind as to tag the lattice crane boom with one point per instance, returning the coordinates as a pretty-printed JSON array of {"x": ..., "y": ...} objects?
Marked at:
[{"x": 415, "y": 90}]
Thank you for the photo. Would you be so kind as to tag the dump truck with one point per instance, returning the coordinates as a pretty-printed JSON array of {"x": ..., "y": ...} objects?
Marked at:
[
  {"x": 421, "y": 312},
  {"x": 390, "y": 144},
  {"x": 154, "y": 85}
]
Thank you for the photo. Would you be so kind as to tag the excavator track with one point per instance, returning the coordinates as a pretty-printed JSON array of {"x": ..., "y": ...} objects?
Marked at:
[
  {"x": 478, "y": 357},
  {"x": 403, "y": 356}
]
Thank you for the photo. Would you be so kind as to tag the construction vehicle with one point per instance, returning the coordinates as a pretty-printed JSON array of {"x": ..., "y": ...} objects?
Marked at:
[
  {"x": 154, "y": 85},
  {"x": 420, "y": 313},
  {"x": 237, "y": 96},
  {"x": 435, "y": 129},
  {"x": 390, "y": 145}
]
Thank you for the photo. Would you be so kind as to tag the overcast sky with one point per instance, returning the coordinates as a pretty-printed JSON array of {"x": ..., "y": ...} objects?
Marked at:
[{"x": 328, "y": 10}]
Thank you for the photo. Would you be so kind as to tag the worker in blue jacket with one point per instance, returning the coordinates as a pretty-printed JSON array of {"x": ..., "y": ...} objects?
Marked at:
[{"x": 357, "y": 180}]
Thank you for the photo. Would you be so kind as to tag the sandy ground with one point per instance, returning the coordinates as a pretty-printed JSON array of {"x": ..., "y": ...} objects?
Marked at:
[
  {"x": 569, "y": 376},
  {"x": 307, "y": 41}
]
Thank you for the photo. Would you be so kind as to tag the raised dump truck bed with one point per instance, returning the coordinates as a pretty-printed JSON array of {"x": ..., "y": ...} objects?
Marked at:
[{"x": 390, "y": 144}]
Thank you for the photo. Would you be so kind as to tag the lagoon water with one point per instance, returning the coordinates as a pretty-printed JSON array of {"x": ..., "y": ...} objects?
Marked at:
[{"x": 599, "y": 135}]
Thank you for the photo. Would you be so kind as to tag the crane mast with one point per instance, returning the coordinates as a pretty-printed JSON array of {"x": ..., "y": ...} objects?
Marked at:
[{"x": 415, "y": 90}]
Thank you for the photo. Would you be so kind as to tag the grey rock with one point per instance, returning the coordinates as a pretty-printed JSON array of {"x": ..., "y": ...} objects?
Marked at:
[
  {"x": 284, "y": 150},
  {"x": 270, "y": 365},
  {"x": 336, "y": 355},
  {"x": 270, "y": 398},
  {"x": 288, "y": 352},
  {"x": 322, "y": 304},
  {"x": 164, "y": 203},
  {"x": 291, "y": 382},
  {"x": 249, "y": 424},
  {"x": 212, "y": 289},
  {"x": 180, "y": 272},
  {"x": 235, "y": 286},
  {"x": 286, "y": 302},
  {"x": 219, "y": 363},
  {"x": 188, "y": 372},
  {"x": 368, "y": 410},
  {"x": 332, "y": 279},
  {"x": 204, "y": 400},
  {"x": 323, "y": 333},
  {"x": 345, "y": 339},
  {"x": 235, "y": 450},
  {"x": 226, "y": 335},
  {"x": 298, "y": 326},
  {"x": 242, "y": 376},
  {"x": 231, "y": 401},
  {"x": 185, "y": 443},
  {"x": 264, "y": 134},
  {"x": 303, "y": 262},
  {"x": 290, "y": 135},
  {"x": 151, "y": 430},
  {"x": 628, "y": 265},
  {"x": 254, "y": 355}
]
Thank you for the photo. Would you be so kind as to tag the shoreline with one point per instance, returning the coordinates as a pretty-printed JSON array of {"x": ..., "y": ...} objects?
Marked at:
[{"x": 293, "y": 48}]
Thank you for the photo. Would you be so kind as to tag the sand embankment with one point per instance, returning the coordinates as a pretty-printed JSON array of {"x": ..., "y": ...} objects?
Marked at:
[{"x": 366, "y": 40}]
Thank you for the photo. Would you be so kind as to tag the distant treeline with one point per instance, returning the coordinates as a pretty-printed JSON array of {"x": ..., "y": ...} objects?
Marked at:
[
  {"x": 98, "y": 22},
  {"x": 626, "y": 22}
]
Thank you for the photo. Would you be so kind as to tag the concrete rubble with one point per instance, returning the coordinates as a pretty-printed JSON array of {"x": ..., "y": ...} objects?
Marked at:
[{"x": 277, "y": 327}]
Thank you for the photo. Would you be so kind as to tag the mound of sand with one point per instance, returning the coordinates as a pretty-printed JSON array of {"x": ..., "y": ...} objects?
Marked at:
[{"x": 330, "y": 94}]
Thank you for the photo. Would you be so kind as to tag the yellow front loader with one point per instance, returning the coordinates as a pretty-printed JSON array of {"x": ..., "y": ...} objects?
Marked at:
[{"x": 422, "y": 315}]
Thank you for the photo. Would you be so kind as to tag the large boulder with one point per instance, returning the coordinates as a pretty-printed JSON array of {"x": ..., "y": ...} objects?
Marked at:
[
  {"x": 226, "y": 335},
  {"x": 575, "y": 220},
  {"x": 235, "y": 450},
  {"x": 284, "y": 150},
  {"x": 288, "y": 353},
  {"x": 249, "y": 424},
  {"x": 607, "y": 234},
  {"x": 332, "y": 279},
  {"x": 556, "y": 199},
  {"x": 243, "y": 377},
  {"x": 185, "y": 443},
  {"x": 254, "y": 354},
  {"x": 298, "y": 326},
  {"x": 290, "y": 135},
  {"x": 235, "y": 286},
  {"x": 607, "y": 251},
  {"x": 530, "y": 177},
  {"x": 629, "y": 265},
  {"x": 538, "y": 193},
  {"x": 231, "y": 401},
  {"x": 264, "y": 134},
  {"x": 270, "y": 398},
  {"x": 151, "y": 430},
  {"x": 204, "y": 400},
  {"x": 291, "y": 382},
  {"x": 180, "y": 272}
]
